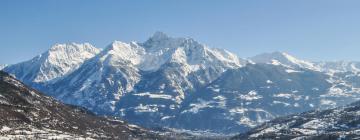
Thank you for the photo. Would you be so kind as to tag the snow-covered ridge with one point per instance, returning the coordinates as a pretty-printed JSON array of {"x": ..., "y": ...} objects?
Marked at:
[
  {"x": 338, "y": 123},
  {"x": 339, "y": 66},
  {"x": 161, "y": 49},
  {"x": 180, "y": 65},
  {"x": 2, "y": 66},
  {"x": 157, "y": 79},
  {"x": 120, "y": 51},
  {"x": 282, "y": 58},
  {"x": 58, "y": 61}
]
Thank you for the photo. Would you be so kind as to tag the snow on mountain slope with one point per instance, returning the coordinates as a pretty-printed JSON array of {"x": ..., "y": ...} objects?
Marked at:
[
  {"x": 342, "y": 75},
  {"x": 339, "y": 123},
  {"x": 176, "y": 82},
  {"x": 339, "y": 66},
  {"x": 101, "y": 81},
  {"x": 331, "y": 67},
  {"x": 143, "y": 81},
  {"x": 28, "y": 114},
  {"x": 161, "y": 48},
  {"x": 58, "y": 61},
  {"x": 246, "y": 97},
  {"x": 123, "y": 68},
  {"x": 2, "y": 66},
  {"x": 186, "y": 60},
  {"x": 281, "y": 58}
]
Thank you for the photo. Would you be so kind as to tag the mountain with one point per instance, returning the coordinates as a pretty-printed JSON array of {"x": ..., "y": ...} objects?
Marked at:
[
  {"x": 27, "y": 114},
  {"x": 339, "y": 66},
  {"x": 2, "y": 66},
  {"x": 100, "y": 82},
  {"x": 186, "y": 66},
  {"x": 177, "y": 82},
  {"x": 58, "y": 61},
  {"x": 281, "y": 58},
  {"x": 246, "y": 97},
  {"x": 132, "y": 80},
  {"x": 333, "y": 124}
]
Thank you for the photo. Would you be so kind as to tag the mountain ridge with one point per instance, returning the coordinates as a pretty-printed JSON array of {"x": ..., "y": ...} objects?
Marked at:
[
  {"x": 58, "y": 61},
  {"x": 26, "y": 113},
  {"x": 172, "y": 82},
  {"x": 332, "y": 124}
]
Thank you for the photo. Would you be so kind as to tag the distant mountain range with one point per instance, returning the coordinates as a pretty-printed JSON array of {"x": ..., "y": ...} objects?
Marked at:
[{"x": 182, "y": 84}]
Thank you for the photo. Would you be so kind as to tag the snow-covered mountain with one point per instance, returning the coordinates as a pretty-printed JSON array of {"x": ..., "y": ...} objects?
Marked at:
[
  {"x": 2, "y": 66},
  {"x": 176, "y": 82},
  {"x": 281, "y": 58},
  {"x": 339, "y": 123},
  {"x": 246, "y": 97},
  {"x": 58, "y": 61},
  {"x": 339, "y": 66},
  {"x": 101, "y": 81},
  {"x": 149, "y": 79},
  {"x": 28, "y": 114}
]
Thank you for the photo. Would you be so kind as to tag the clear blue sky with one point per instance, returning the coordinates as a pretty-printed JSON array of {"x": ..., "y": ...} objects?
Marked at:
[{"x": 310, "y": 29}]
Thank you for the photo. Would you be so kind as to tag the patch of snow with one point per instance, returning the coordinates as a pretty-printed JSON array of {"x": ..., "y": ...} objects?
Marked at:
[
  {"x": 269, "y": 81},
  {"x": 275, "y": 62},
  {"x": 221, "y": 98},
  {"x": 315, "y": 124},
  {"x": 274, "y": 128},
  {"x": 167, "y": 117},
  {"x": 146, "y": 108},
  {"x": 305, "y": 131},
  {"x": 284, "y": 95},
  {"x": 216, "y": 90},
  {"x": 292, "y": 71},
  {"x": 5, "y": 128},
  {"x": 151, "y": 95},
  {"x": 279, "y": 102},
  {"x": 337, "y": 92},
  {"x": 327, "y": 102},
  {"x": 316, "y": 89},
  {"x": 196, "y": 107},
  {"x": 252, "y": 95}
]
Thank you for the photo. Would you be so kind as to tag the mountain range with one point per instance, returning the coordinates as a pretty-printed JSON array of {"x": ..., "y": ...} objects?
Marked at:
[{"x": 182, "y": 84}]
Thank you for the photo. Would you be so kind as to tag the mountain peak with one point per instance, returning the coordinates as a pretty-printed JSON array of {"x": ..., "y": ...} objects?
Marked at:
[
  {"x": 161, "y": 41},
  {"x": 268, "y": 57},
  {"x": 58, "y": 61},
  {"x": 115, "y": 45},
  {"x": 73, "y": 47},
  {"x": 123, "y": 51},
  {"x": 2, "y": 66},
  {"x": 123, "y": 48},
  {"x": 282, "y": 58}
]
